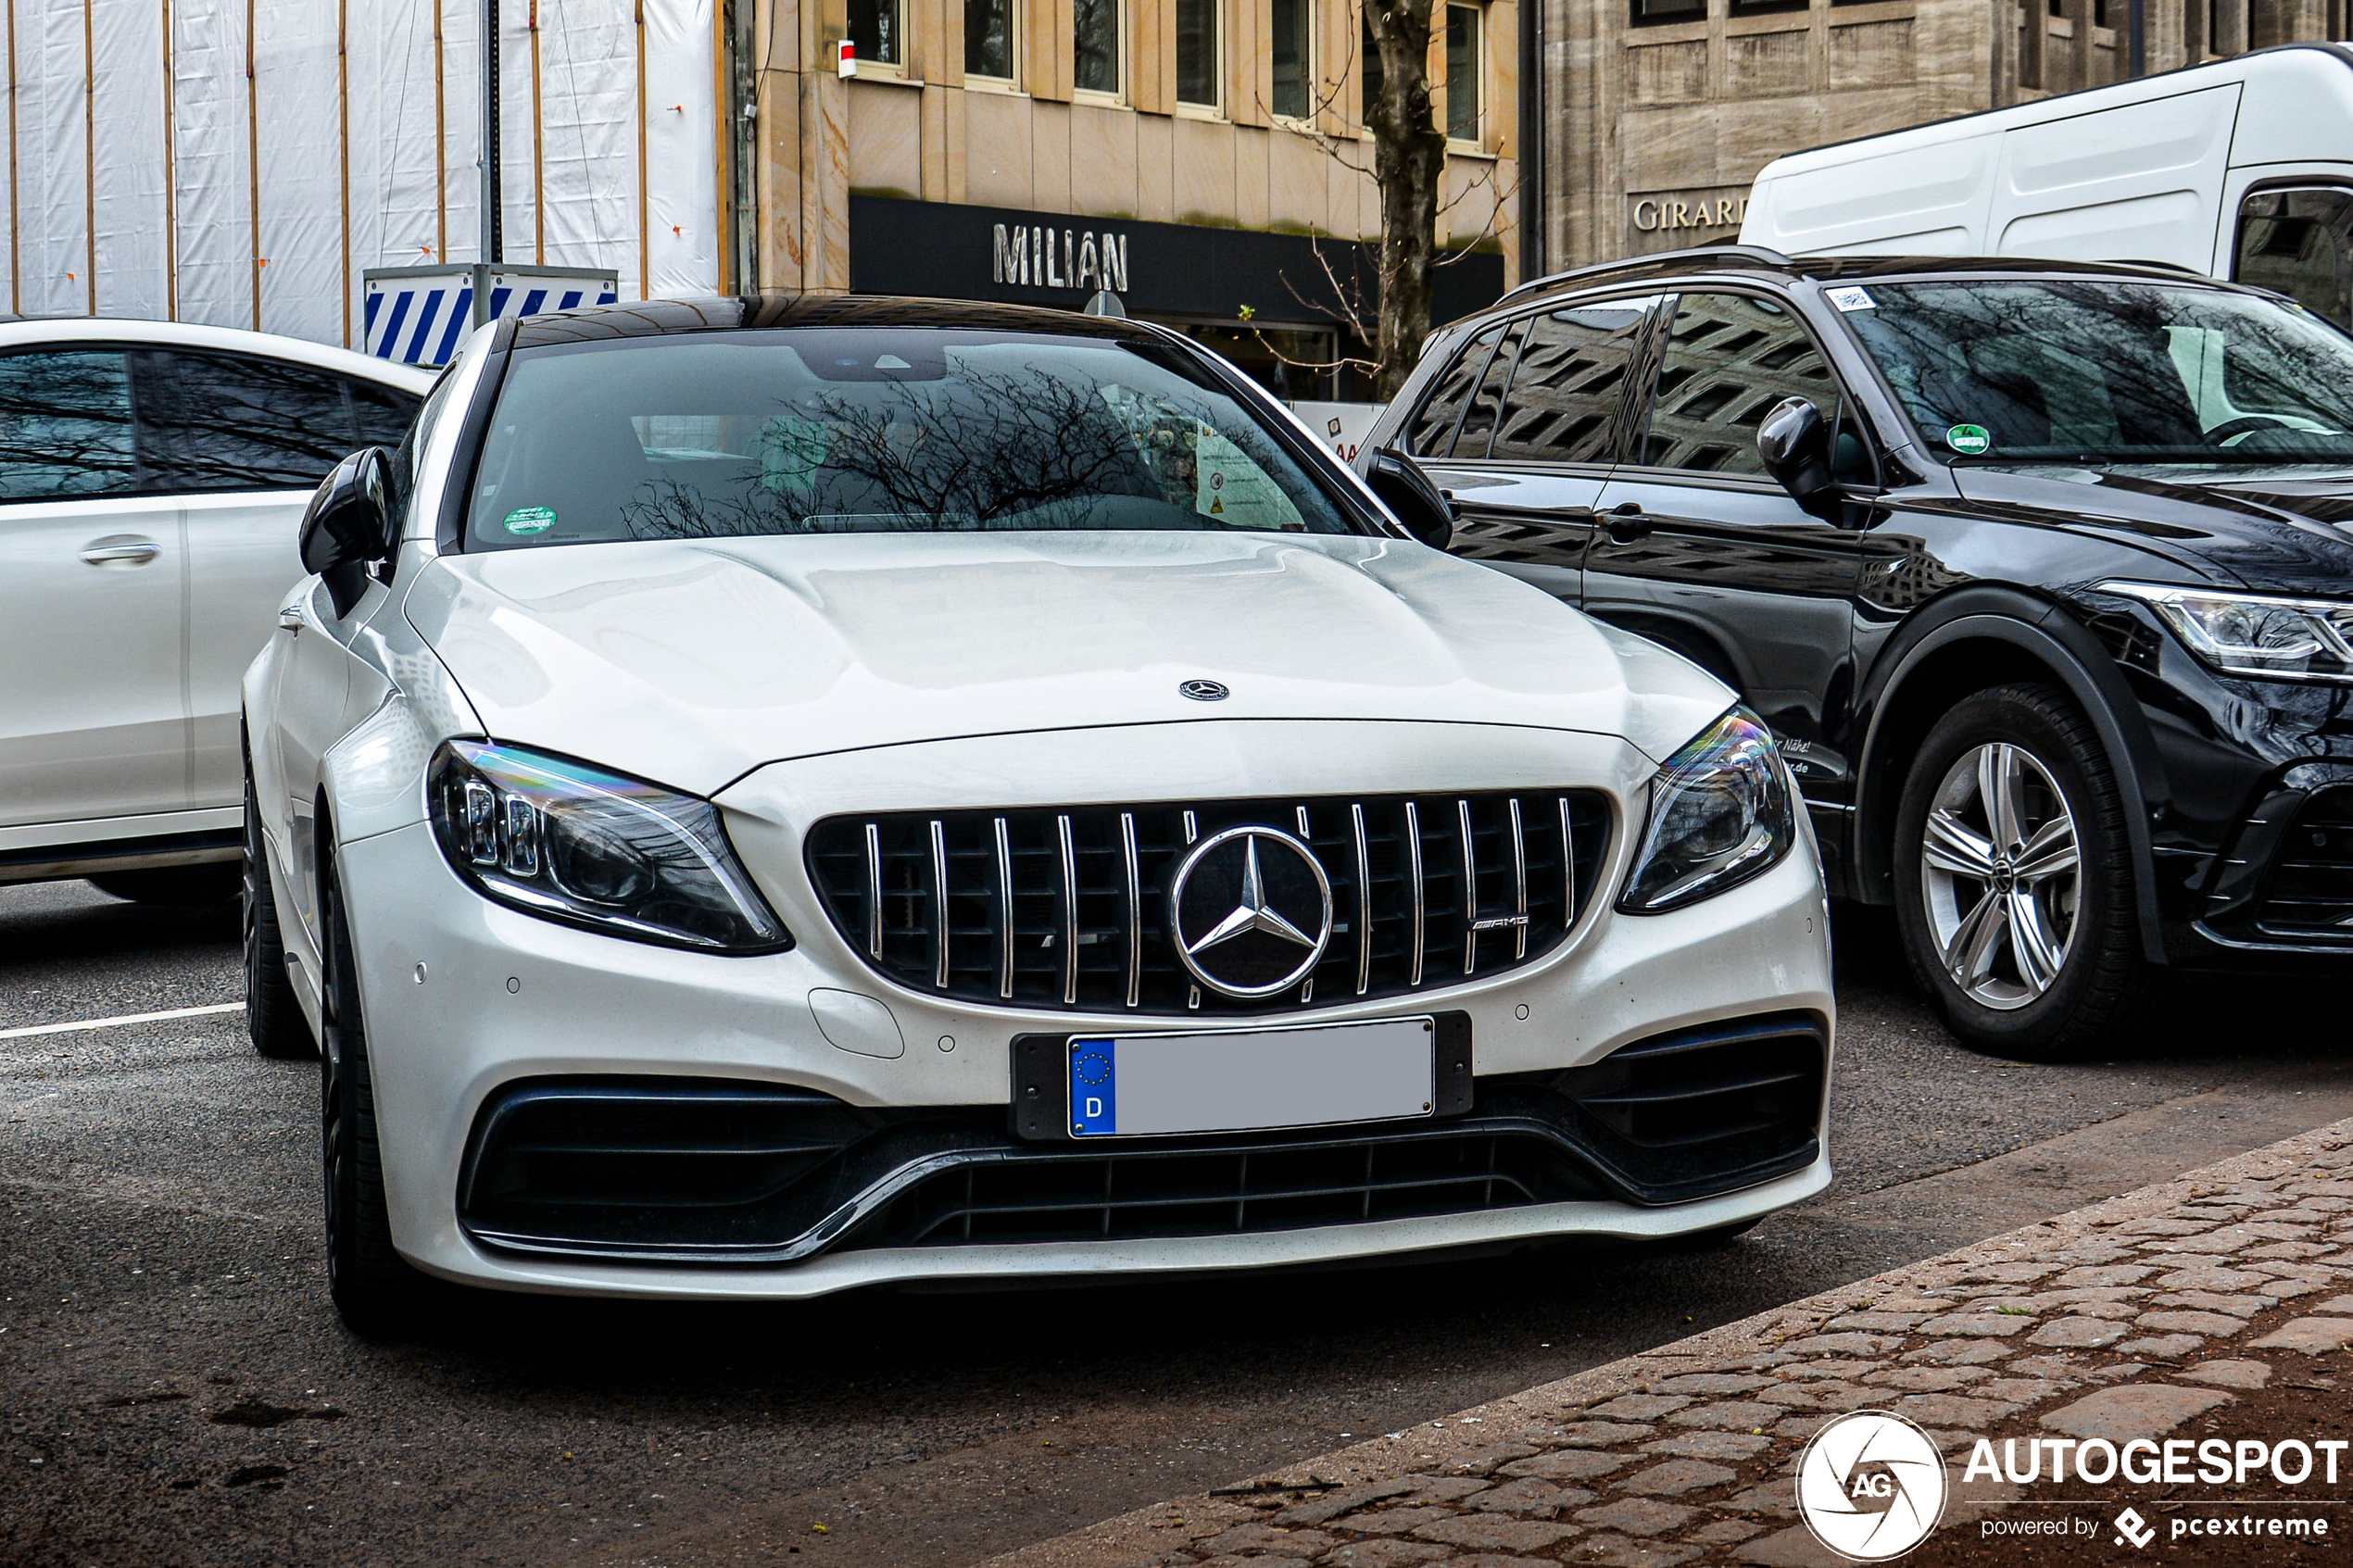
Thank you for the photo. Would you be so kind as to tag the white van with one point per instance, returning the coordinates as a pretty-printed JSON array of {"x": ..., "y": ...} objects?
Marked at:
[{"x": 2242, "y": 170}]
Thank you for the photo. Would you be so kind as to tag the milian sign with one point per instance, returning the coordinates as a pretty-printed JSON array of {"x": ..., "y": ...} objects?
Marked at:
[{"x": 1038, "y": 256}]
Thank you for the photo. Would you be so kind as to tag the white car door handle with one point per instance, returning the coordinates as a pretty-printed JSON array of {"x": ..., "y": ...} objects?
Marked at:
[
  {"x": 120, "y": 549},
  {"x": 292, "y": 618}
]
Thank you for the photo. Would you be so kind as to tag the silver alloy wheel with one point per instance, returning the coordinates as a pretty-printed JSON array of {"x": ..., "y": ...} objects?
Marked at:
[{"x": 2000, "y": 875}]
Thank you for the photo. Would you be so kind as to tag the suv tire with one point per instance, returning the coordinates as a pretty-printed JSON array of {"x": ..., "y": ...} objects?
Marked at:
[
  {"x": 2014, "y": 878},
  {"x": 375, "y": 1290},
  {"x": 273, "y": 1016}
]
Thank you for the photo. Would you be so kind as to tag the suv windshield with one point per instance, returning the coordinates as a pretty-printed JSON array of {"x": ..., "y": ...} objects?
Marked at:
[
  {"x": 872, "y": 431},
  {"x": 2079, "y": 370}
]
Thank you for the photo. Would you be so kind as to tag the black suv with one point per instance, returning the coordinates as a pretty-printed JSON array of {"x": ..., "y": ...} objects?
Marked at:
[{"x": 2041, "y": 572}]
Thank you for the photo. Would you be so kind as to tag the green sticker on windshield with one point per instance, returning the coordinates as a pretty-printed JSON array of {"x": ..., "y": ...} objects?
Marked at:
[
  {"x": 531, "y": 519},
  {"x": 1969, "y": 440}
]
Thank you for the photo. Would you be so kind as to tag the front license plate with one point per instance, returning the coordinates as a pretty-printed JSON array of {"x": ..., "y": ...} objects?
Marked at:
[{"x": 1139, "y": 1085}]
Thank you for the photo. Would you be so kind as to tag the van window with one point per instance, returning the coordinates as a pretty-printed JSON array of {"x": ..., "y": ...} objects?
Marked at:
[
  {"x": 1730, "y": 359},
  {"x": 2299, "y": 243},
  {"x": 1564, "y": 395},
  {"x": 1432, "y": 431}
]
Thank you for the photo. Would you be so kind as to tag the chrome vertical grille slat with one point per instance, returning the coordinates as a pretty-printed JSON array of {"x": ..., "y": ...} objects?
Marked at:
[
  {"x": 1004, "y": 913},
  {"x": 1070, "y": 910},
  {"x": 940, "y": 923},
  {"x": 1066, "y": 906},
  {"x": 1519, "y": 883},
  {"x": 874, "y": 892}
]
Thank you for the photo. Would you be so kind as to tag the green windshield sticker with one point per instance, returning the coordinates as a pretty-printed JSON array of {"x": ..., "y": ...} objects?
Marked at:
[
  {"x": 1969, "y": 440},
  {"x": 531, "y": 519}
]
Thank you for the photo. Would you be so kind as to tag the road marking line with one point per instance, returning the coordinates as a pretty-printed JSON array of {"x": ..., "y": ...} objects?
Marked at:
[{"x": 117, "y": 1023}]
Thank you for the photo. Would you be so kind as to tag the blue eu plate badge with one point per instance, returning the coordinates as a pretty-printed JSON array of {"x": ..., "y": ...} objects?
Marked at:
[{"x": 1094, "y": 1088}]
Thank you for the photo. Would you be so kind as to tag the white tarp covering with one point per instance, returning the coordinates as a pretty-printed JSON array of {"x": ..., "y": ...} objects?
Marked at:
[{"x": 355, "y": 168}]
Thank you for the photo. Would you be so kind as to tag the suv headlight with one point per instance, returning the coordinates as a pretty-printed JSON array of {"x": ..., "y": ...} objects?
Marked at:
[
  {"x": 570, "y": 842},
  {"x": 2261, "y": 634},
  {"x": 1720, "y": 814}
]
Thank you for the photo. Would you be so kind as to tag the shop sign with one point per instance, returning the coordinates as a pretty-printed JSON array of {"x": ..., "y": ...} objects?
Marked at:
[
  {"x": 1027, "y": 253},
  {"x": 1653, "y": 212}
]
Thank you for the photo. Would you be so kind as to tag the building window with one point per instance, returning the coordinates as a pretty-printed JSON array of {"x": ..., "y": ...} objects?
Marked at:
[
  {"x": 1292, "y": 58},
  {"x": 1759, "y": 7},
  {"x": 988, "y": 39},
  {"x": 1647, "y": 11},
  {"x": 1462, "y": 72},
  {"x": 1197, "y": 53},
  {"x": 1368, "y": 72},
  {"x": 1094, "y": 65},
  {"x": 874, "y": 33}
]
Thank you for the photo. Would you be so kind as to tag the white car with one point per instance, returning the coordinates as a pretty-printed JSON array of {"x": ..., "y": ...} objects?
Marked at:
[
  {"x": 766, "y": 797},
  {"x": 153, "y": 476}
]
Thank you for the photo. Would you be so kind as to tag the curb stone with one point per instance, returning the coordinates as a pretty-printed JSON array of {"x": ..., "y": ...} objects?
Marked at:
[{"x": 2123, "y": 1318}]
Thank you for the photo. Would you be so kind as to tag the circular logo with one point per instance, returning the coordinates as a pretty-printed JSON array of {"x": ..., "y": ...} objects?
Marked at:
[
  {"x": 1203, "y": 691},
  {"x": 1969, "y": 440},
  {"x": 1870, "y": 1485},
  {"x": 1250, "y": 910}
]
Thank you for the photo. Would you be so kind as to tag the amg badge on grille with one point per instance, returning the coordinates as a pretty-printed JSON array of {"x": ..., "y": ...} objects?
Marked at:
[{"x": 1251, "y": 911}]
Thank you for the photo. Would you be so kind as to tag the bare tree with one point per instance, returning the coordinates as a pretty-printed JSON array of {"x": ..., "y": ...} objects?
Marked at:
[{"x": 1408, "y": 167}]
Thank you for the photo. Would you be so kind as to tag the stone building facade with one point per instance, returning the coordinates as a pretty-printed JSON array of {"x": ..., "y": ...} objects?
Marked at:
[
  {"x": 1206, "y": 159},
  {"x": 1659, "y": 113}
]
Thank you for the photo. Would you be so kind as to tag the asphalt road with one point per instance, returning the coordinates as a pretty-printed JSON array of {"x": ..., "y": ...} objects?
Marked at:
[{"x": 176, "y": 1388}]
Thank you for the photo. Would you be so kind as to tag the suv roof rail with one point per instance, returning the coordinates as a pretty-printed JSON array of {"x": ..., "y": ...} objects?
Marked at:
[{"x": 1635, "y": 263}]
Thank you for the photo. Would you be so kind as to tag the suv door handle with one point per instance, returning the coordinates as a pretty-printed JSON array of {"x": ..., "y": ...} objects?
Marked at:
[
  {"x": 120, "y": 549},
  {"x": 1627, "y": 524}
]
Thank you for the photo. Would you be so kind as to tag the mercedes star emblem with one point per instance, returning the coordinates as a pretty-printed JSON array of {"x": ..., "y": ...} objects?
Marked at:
[
  {"x": 1251, "y": 911},
  {"x": 1203, "y": 691}
]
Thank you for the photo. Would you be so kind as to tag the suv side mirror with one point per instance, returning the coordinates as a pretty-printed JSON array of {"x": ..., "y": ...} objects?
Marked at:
[
  {"x": 1406, "y": 491},
  {"x": 1795, "y": 447},
  {"x": 348, "y": 526}
]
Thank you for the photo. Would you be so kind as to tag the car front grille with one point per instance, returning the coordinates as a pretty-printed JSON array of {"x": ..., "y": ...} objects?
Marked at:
[
  {"x": 1069, "y": 909},
  {"x": 2308, "y": 895}
]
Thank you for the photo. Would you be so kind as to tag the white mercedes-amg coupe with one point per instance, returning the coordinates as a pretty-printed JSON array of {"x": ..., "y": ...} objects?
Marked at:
[{"x": 767, "y": 796}]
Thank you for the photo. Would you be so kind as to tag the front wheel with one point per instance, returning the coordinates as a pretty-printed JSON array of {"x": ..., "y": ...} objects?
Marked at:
[
  {"x": 375, "y": 1290},
  {"x": 2014, "y": 878},
  {"x": 273, "y": 1018}
]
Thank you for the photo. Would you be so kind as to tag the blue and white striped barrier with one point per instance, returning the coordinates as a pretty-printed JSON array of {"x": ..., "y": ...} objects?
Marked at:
[{"x": 419, "y": 315}]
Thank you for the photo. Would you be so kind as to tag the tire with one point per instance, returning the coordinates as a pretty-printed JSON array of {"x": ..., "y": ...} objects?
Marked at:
[
  {"x": 204, "y": 887},
  {"x": 273, "y": 1018},
  {"x": 379, "y": 1296},
  {"x": 2027, "y": 938}
]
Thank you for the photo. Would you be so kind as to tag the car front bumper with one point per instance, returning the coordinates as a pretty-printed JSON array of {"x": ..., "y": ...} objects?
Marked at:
[{"x": 465, "y": 999}]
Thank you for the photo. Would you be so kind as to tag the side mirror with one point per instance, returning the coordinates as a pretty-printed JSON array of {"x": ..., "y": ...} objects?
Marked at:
[
  {"x": 1406, "y": 491},
  {"x": 349, "y": 527},
  {"x": 1795, "y": 447}
]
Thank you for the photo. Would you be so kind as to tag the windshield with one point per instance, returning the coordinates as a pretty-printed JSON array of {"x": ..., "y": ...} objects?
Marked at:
[
  {"x": 872, "y": 431},
  {"x": 2103, "y": 372}
]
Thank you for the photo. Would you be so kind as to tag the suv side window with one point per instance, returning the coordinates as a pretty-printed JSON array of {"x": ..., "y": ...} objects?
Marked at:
[
  {"x": 2299, "y": 243},
  {"x": 1432, "y": 431},
  {"x": 1562, "y": 403},
  {"x": 1487, "y": 404},
  {"x": 227, "y": 421},
  {"x": 1730, "y": 359},
  {"x": 66, "y": 425}
]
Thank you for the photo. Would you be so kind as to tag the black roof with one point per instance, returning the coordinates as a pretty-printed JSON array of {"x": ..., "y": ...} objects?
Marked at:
[
  {"x": 661, "y": 317},
  {"x": 1717, "y": 260}
]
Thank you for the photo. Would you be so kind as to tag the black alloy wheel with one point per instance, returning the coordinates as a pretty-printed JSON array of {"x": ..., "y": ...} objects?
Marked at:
[
  {"x": 2014, "y": 879},
  {"x": 378, "y": 1294},
  {"x": 273, "y": 1016}
]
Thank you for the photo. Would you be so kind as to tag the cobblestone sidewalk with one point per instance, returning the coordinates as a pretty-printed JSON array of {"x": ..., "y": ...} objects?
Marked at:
[{"x": 2125, "y": 1319}]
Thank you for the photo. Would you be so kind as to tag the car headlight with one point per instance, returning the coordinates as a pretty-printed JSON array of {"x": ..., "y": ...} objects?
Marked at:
[
  {"x": 1720, "y": 814},
  {"x": 575, "y": 844},
  {"x": 2261, "y": 634}
]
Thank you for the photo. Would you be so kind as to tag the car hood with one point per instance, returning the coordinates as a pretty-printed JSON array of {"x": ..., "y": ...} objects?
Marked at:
[
  {"x": 2276, "y": 530},
  {"x": 692, "y": 663}
]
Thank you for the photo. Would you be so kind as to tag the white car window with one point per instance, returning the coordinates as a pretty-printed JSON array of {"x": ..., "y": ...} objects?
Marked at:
[{"x": 66, "y": 425}]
